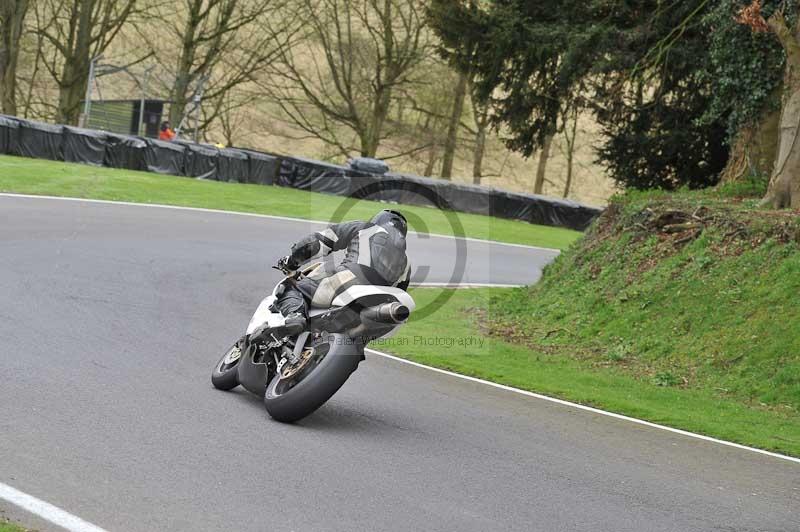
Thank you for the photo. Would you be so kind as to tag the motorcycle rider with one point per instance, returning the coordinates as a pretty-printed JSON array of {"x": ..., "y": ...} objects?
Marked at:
[{"x": 376, "y": 255}]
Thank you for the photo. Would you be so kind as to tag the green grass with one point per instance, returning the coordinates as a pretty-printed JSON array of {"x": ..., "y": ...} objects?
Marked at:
[
  {"x": 694, "y": 327},
  {"x": 30, "y": 176},
  {"x": 6, "y": 526},
  {"x": 588, "y": 376}
]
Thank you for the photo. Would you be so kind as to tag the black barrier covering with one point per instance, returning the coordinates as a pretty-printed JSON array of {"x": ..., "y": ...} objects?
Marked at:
[
  {"x": 414, "y": 190},
  {"x": 232, "y": 165},
  {"x": 409, "y": 190},
  {"x": 368, "y": 165},
  {"x": 45, "y": 141},
  {"x": 200, "y": 160},
  {"x": 125, "y": 151},
  {"x": 9, "y": 134},
  {"x": 39, "y": 140},
  {"x": 306, "y": 174},
  {"x": 86, "y": 146},
  {"x": 572, "y": 214},
  {"x": 542, "y": 210},
  {"x": 468, "y": 198},
  {"x": 164, "y": 157},
  {"x": 263, "y": 167}
]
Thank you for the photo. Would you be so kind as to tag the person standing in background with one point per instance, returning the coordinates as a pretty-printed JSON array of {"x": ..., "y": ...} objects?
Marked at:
[{"x": 166, "y": 132}]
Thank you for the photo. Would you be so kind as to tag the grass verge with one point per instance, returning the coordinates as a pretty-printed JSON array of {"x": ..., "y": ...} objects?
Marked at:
[
  {"x": 473, "y": 345},
  {"x": 33, "y": 176},
  {"x": 7, "y": 526},
  {"x": 678, "y": 308}
]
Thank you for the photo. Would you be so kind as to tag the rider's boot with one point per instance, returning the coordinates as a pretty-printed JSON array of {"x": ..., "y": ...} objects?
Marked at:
[{"x": 296, "y": 322}]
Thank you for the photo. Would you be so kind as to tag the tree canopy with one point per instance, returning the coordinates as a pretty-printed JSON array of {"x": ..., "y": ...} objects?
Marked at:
[{"x": 673, "y": 85}]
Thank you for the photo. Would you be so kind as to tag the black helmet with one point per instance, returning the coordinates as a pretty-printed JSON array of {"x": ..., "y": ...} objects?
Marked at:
[{"x": 388, "y": 218}]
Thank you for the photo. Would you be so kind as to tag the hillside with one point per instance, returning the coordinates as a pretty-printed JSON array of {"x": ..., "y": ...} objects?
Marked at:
[
  {"x": 680, "y": 309},
  {"x": 693, "y": 290}
]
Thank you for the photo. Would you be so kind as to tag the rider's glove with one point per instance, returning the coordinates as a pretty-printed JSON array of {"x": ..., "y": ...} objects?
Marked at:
[{"x": 288, "y": 263}]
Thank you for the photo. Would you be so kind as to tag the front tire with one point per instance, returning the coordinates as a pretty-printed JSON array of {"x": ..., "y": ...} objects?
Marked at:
[
  {"x": 288, "y": 401},
  {"x": 226, "y": 373}
]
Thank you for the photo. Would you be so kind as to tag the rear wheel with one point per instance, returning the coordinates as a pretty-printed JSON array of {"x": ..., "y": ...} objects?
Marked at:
[
  {"x": 225, "y": 375},
  {"x": 298, "y": 390}
]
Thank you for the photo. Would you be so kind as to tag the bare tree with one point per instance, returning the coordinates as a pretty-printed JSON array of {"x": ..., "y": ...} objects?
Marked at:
[
  {"x": 480, "y": 112},
  {"x": 570, "y": 132},
  {"x": 77, "y": 31},
  {"x": 423, "y": 123},
  {"x": 12, "y": 20},
  {"x": 233, "y": 112},
  {"x": 784, "y": 184},
  {"x": 453, "y": 124},
  {"x": 541, "y": 168},
  {"x": 337, "y": 83},
  {"x": 34, "y": 99},
  {"x": 225, "y": 43}
]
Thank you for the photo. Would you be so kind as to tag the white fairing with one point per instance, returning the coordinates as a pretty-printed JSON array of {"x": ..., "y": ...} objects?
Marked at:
[
  {"x": 263, "y": 314},
  {"x": 359, "y": 291}
]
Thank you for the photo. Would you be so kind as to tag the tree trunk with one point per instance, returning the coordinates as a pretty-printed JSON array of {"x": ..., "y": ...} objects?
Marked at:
[
  {"x": 178, "y": 101},
  {"x": 482, "y": 123},
  {"x": 179, "y": 95},
  {"x": 75, "y": 74},
  {"x": 69, "y": 103},
  {"x": 431, "y": 161},
  {"x": 371, "y": 138},
  {"x": 570, "y": 137},
  {"x": 538, "y": 186},
  {"x": 79, "y": 30},
  {"x": 754, "y": 150},
  {"x": 570, "y": 167},
  {"x": 12, "y": 18},
  {"x": 784, "y": 186},
  {"x": 32, "y": 81},
  {"x": 72, "y": 89},
  {"x": 452, "y": 127}
]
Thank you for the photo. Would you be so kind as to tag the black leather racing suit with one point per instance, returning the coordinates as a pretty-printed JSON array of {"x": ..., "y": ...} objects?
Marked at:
[{"x": 376, "y": 255}]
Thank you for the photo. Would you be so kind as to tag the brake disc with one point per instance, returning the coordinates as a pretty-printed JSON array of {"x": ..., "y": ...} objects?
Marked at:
[
  {"x": 291, "y": 369},
  {"x": 233, "y": 355}
]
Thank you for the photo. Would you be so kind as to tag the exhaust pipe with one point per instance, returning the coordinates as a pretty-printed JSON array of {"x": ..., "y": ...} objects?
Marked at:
[{"x": 389, "y": 313}]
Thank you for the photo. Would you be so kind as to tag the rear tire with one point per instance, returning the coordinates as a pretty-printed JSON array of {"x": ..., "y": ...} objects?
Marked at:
[
  {"x": 226, "y": 373},
  {"x": 324, "y": 380}
]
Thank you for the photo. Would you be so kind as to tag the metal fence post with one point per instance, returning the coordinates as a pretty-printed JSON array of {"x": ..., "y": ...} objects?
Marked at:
[{"x": 87, "y": 103}]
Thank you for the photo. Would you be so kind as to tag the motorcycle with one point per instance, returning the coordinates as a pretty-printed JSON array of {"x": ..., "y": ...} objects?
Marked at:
[{"x": 295, "y": 371}]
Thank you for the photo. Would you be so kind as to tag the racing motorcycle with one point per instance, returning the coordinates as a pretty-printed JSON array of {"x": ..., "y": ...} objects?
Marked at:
[{"x": 297, "y": 371}]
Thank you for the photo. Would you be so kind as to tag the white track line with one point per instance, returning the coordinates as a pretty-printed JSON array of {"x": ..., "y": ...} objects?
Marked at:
[
  {"x": 586, "y": 408},
  {"x": 255, "y": 215},
  {"x": 46, "y": 511},
  {"x": 284, "y": 218},
  {"x": 473, "y": 379}
]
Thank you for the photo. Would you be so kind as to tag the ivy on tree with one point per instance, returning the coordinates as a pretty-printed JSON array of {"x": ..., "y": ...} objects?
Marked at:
[{"x": 537, "y": 59}]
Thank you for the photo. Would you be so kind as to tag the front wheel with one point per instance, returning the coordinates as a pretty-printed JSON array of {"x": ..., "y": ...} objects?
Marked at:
[
  {"x": 226, "y": 373},
  {"x": 297, "y": 391}
]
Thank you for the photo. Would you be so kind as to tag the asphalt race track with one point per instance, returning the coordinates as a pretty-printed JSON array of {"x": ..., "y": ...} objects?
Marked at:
[{"x": 111, "y": 317}]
